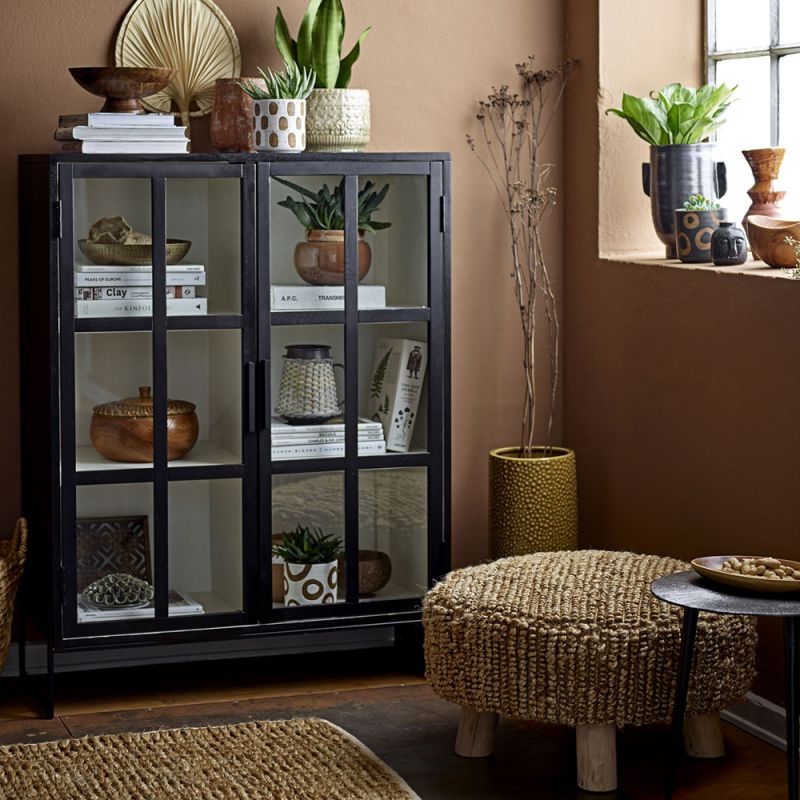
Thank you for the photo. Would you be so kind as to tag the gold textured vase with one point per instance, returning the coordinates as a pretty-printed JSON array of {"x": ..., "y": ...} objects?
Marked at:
[{"x": 533, "y": 502}]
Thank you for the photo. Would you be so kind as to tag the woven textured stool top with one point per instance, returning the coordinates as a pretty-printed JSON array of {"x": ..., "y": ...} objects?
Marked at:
[{"x": 576, "y": 637}]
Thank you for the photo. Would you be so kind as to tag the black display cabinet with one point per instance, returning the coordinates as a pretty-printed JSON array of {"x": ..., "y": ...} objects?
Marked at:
[{"x": 199, "y": 529}]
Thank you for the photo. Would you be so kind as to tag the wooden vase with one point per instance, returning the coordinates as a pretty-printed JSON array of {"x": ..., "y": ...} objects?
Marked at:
[{"x": 766, "y": 193}]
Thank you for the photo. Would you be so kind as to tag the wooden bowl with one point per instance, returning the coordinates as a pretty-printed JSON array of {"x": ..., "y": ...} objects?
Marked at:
[
  {"x": 131, "y": 254},
  {"x": 374, "y": 572},
  {"x": 122, "y": 87},
  {"x": 767, "y": 234}
]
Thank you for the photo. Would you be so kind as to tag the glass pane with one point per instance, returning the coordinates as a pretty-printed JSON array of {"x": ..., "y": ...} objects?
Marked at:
[
  {"x": 393, "y": 362},
  {"x": 114, "y": 536},
  {"x": 790, "y": 22},
  {"x": 399, "y": 254},
  {"x": 314, "y": 499},
  {"x": 204, "y": 368},
  {"x": 108, "y": 213},
  {"x": 742, "y": 24},
  {"x": 393, "y": 533},
  {"x": 207, "y": 214},
  {"x": 205, "y": 547},
  {"x": 747, "y": 126},
  {"x": 111, "y": 366},
  {"x": 307, "y": 266},
  {"x": 790, "y": 128}
]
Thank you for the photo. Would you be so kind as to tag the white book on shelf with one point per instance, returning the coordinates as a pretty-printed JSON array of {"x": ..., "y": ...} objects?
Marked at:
[
  {"x": 138, "y": 308},
  {"x": 101, "y": 269},
  {"x": 304, "y": 297},
  {"x": 130, "y": 292},
  {"x": 116, "y": 119},
  {"x": 323, "y": 438},
  {"x": 180, "y": 603},
  {"x": 325, "y": 450},
  {"x": 88, "y": 133},
  {"x": 131, "y": 146},
  {"x": 279, "y": 427},
  {"x": 137, "y": 278},
  {"x": 396, "y": 387}
]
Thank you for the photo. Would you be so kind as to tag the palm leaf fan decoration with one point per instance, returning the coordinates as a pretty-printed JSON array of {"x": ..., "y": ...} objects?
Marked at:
[{"x": 192, "y": 36}]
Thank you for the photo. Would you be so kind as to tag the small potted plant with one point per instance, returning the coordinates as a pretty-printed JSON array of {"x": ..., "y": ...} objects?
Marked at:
[
  {"x": 279, "y": 110},
  {"x": 310, "y": 566},
  {"x": 695, "y": 224},
  {"x": 320, "y": 259},
  {"x": 338, "y": 117},
  {"x": 676, "y": 122}
]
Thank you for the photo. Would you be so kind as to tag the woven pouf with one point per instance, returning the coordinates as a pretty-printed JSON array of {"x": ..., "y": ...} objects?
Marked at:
[{"x": 576, "y": 638}]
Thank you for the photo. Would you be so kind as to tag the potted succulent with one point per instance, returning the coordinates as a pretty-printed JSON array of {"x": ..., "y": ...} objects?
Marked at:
[
  {"x": 310, "y": 566},
  {"x": 279, "y": 110},
  {"x": 695, "y": 224},
  {"x": 675, "y": 122},
  {"x": 533, "y": 486},
  {"x": 320, "y": 259},
  {"x": 338, "y": 117}
]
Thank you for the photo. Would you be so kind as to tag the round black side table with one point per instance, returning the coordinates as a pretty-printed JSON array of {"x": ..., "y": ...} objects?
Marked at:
[{"x": 695, "y": 594}]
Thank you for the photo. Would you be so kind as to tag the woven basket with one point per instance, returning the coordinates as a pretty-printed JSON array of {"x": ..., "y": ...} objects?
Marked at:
[{"x": 12, "y": 562}]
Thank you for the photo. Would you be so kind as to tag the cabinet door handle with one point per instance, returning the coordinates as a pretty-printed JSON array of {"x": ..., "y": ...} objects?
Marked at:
[
  {"x": 264, "y": 376},
  {"x": 250, "y": 394}
]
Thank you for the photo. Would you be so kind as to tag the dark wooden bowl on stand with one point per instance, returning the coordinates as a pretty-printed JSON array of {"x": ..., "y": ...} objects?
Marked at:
[{"x": 122, "y": 87}]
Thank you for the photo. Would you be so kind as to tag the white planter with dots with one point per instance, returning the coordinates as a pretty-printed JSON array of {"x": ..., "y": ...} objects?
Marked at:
[{"x": 279, "y": 125}]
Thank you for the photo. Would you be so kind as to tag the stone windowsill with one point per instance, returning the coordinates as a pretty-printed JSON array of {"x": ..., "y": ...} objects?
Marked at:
[{"x": 750, "y": 267}]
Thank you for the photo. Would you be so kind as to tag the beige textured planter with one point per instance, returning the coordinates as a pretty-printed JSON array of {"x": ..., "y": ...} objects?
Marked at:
[
  {"x": 533, "y": 502},
  {"x": 338, "y": 120}
]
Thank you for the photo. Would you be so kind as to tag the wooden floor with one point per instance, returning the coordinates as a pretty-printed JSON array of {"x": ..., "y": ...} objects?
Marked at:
[{"x": 395, "y": 714}]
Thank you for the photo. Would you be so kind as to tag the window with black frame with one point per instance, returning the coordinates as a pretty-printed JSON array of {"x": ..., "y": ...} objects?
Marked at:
[{"x": 755, "y": 45}]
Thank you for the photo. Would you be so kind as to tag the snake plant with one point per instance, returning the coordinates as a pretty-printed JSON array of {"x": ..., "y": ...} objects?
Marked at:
[
  {"x": 324, "y": 209},
  {"x": 319, "y": 43},
  {"x": 308, "y": 546},
  {"x": 295, "y": 83}
]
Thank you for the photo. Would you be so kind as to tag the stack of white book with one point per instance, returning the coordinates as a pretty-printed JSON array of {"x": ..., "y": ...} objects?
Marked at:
[
  {"x": 323, "y": 440},
  {"x": 113, "y": 291},
  {"x": 105, "y": 133},
  {"x": 180, "y": 603},
  {"x": 303, "y": 297}
]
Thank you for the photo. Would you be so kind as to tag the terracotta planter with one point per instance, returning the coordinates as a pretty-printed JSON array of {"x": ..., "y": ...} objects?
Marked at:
[
  {"x": 338, "y": 120},
  {"x": 279, "y": 126},
  {"x": 232, "y": 116},
  {"x": 693, "y": 232},
  {"x": 320, "y": 259},
  {"x": 310, "y": 584},
  {"x": 533, "y": 504}
]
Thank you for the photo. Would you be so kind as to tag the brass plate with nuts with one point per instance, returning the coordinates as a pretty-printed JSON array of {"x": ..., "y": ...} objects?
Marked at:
[{"x": 711, "y": 567}]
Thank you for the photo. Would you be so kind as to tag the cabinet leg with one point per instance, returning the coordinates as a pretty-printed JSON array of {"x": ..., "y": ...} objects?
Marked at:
[
  {"x": 790, "y": 678},
  {"x": 596, "y": 751},
  {"x": 702, "y": 736},
  {"x": 476, "y": 732}
]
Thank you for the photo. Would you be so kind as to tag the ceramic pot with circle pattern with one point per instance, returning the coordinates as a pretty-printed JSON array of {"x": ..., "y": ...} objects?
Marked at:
[
  {"x": 279, "y": 125},
  {"x": 693, "y": 231},
  {"x": 310, "y": 584}
]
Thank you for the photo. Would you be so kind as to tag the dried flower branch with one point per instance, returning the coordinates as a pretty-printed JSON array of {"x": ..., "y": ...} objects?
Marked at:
[{"x": 512, "y": 129}]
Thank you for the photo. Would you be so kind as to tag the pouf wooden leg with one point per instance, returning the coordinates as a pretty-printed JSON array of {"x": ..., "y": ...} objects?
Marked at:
[
  {"x": 596, "y": 749},
  {"x": 476, "y": 730},
  {"x": 702, "y": 736}
]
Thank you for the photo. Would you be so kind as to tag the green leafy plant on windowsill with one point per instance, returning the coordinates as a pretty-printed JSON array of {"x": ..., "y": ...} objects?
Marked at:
[
  {"x": 323, "y": 210},
  {"x": 699, "y": 202},
  {"x": 319, "y": 43},
  {"x": 295, "y": 83},
  {"x": 306, "y": 545},
  {"x": 676, "y": 114}
]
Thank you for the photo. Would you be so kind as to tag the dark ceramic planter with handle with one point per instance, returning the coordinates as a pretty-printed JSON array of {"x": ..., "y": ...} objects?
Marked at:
[{"x": 675, "y": 172}]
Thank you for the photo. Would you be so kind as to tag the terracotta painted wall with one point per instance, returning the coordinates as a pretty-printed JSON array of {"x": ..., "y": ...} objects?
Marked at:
[
  {"x": 681, "y": 385},
  {"x": 426, "y": 64}
]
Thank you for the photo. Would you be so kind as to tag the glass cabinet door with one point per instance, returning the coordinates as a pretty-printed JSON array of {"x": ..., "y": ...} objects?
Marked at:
[{"x": 158, "y": 348}]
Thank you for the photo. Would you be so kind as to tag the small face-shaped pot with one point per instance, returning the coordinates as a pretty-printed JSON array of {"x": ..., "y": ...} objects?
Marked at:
[
  {"x": 693, "y": 230},
  {"x": 728, "y": 245}
]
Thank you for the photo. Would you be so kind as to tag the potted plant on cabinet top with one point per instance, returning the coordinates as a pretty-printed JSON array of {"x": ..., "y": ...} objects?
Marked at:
[
  {"x": 675, "y": 122},
  {"x": 695, "y": 224},
  {"x": 279, "y": 110},
  {"x": 310, "y": 566},
  {"x": 532, "y": 488},
  {"x": 338, "y": 117},
  {"x": 320, "y": 259}
]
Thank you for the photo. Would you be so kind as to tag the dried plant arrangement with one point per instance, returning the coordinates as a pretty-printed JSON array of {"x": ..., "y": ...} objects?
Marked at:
[{"x": 513, "y": 127}]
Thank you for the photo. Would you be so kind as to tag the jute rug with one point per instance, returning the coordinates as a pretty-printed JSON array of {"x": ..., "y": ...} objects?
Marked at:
[{"x": 300, "y": 759}]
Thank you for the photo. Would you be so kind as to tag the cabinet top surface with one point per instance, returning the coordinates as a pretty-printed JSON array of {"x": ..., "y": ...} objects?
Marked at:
[{"x": 238, "y": 158}]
